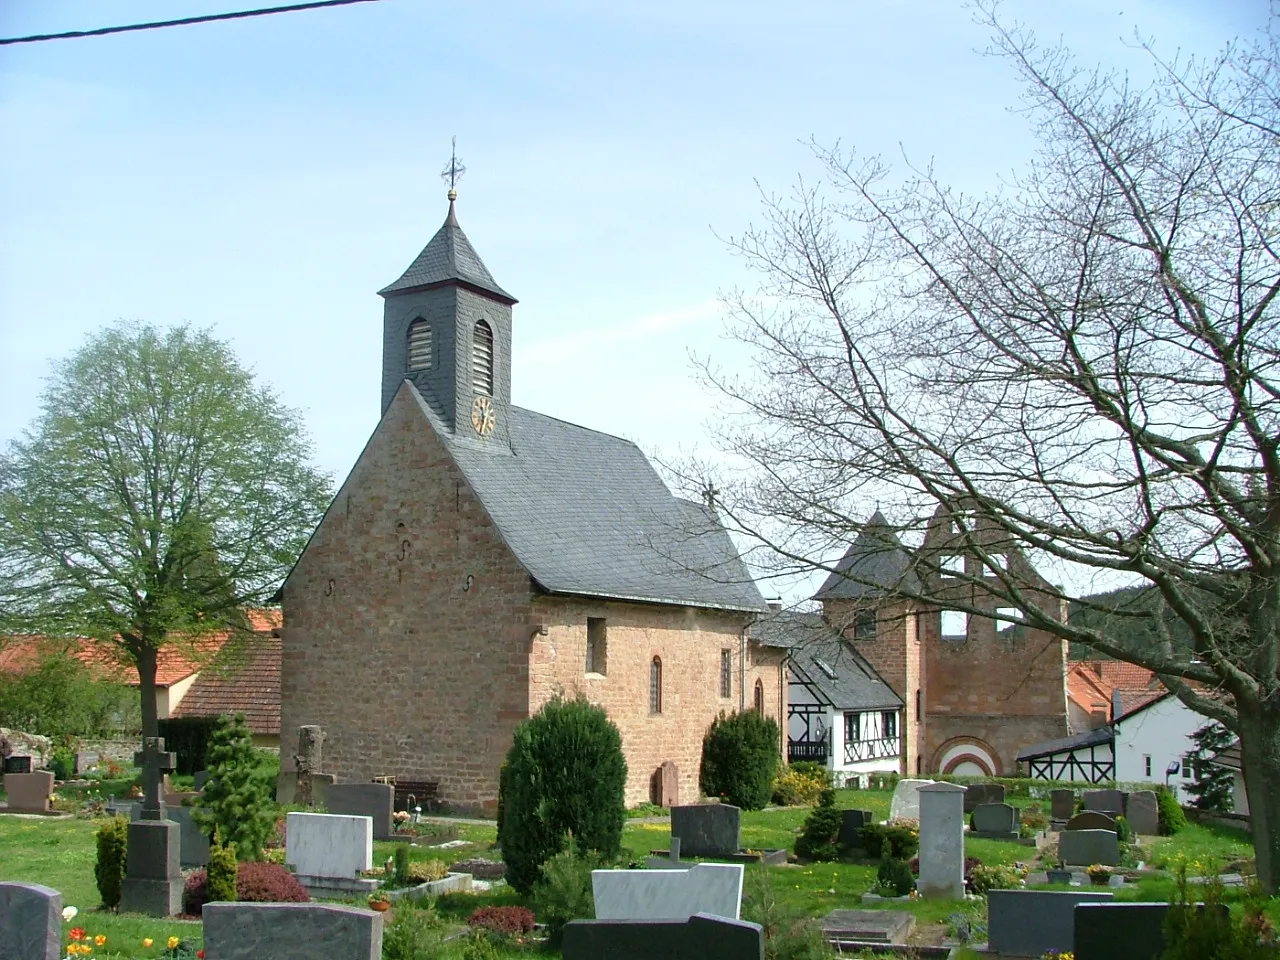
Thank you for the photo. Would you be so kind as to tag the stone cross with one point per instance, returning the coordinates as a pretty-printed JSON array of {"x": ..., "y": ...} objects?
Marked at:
[{"x": 155, "y": 763}]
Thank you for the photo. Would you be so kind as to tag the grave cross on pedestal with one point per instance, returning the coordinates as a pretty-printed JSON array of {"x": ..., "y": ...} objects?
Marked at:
[{"x": 155, "y": 763}]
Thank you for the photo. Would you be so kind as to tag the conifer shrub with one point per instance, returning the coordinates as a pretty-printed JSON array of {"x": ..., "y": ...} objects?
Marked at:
[
  {"x": 895, "y": 878},
  {"x": 221, "y": 871},
  {"x": 819, "y": 838},
  {"x": 563, "y": 890},
  {"x": 565, "y": 775},
  {"x": 402, "y": 864},
  {"x": 238, "y": 798},
  {"x": 1172, "y": 818},
  {"x": 113, "y": 847},
  {"x": 740, "y": 758}
]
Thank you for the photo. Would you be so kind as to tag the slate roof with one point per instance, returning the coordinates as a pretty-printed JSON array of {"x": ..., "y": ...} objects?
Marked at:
[
  {"x": 586, "y": 514},
  {"x": 875, "y": 564},
  {"x": 243, "y": 678},
  {"x": 1090, "y": 738},
  {"x": 821, "y": 657},
  {"x": 448, "y": 256}
]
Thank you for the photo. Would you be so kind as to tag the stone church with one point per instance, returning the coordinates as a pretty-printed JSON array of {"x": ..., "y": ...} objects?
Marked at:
[
  {"x": 481, "y": 558},
  {"x": 976, "y": 686}
]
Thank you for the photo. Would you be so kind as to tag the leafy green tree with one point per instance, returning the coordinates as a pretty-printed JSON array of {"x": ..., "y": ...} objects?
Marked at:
[
  {"x": 1214, "y": 785},
  {"x": 237, "y": 803},
  {"x": 158, "y": 493},
  {"x": 61, "y": 698}
]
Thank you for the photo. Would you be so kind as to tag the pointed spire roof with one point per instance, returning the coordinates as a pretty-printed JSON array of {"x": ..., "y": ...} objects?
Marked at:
[
  {"x": 449, "y": 257},
  {"x": 875, "y": 564}
]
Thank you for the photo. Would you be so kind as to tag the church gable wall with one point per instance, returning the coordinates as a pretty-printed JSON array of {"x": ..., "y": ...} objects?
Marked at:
[{"x": 408, "y": 623}]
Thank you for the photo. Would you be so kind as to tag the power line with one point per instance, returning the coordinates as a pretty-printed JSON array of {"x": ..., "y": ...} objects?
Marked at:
[{"x": 186, "y": 21}]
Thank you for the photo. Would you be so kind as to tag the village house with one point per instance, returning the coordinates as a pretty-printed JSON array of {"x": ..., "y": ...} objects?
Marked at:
[{"x": 481, "y": 559}]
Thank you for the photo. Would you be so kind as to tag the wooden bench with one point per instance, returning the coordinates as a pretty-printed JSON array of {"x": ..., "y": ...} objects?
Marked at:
[{"x": 425, "y": 793}]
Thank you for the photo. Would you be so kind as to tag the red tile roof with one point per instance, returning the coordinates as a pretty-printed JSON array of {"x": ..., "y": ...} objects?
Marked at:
[
  {"x": 1093, "y": 684},
  {"x": 244, "y": 678}
]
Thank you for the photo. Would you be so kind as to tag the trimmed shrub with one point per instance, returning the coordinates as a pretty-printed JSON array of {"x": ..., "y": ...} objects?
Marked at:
[
  {"x": 800, "y": 783},
  {"x": 424, "y": 871},
  {"x": 819, "y": 838},
  {"x": 997, "y": 876},
  {"x": 508, "y": 921},
  {"x": 895, "y": 874},
  {"x": 897, "y": 839},
  {"x": 221, "y": 872},
  {"x": 565, "y": 774},
  {"x": 1172, "y": 817},
  {"x": 1123, "y": 832},
  {"x": 739, "y": 759},
  {"x": 238, "y": 799},
  {"x": 563, "y": 891},
  {"x": 63, "y": 763},
  {"x": 113, "y": 848},
  {"x": 401, "y": 857},
  {"x": 256, "y": 882}
]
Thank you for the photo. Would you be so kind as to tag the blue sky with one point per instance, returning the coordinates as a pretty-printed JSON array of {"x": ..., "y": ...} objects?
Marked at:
[{"x": 265, "y": 177}]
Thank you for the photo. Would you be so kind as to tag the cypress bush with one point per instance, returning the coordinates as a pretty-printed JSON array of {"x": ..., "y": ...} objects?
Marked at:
[
  {"x": 819, "y": 839},
  {"x": 113, "y": 846},
  {"x": 565, "y": 774},
  {"x": 221, "y": 871},
  {"x": 739, "y": 759},
  {"x": 238, "y": 799},
  {"x": 1172, "y": 817}
]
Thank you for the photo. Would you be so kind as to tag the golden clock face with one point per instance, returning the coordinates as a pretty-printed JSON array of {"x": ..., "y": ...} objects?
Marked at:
[{"x": 483, "y": 417}]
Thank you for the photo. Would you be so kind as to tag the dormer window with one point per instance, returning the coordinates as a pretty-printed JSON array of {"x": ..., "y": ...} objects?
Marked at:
[
  {"x": 482, "y": 359},
  {"x": 418, "y": 351}
]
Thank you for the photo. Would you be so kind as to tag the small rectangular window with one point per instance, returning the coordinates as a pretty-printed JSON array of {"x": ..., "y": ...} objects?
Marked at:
[
  {"x": 1146, "y": 764},
  {"x": 1006, "y": 619},
  {"x": 919, "y": 705},
  {"x": 889, "y": 724},
  {"x": 1000, "y": 561},
  {"x": 1188, "y": 767},
  {"x": 951, "y": 566},
  {"x": 955, "y": 625},
  {"x": 864, "y": 626},
  {"x": 852, "y": 727},
  {"x": 726, "y": 674},
  {"x": 597, "y": 645}
]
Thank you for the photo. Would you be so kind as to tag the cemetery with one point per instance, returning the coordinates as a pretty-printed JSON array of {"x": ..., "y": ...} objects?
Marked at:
[{"x": 991, "y": 872}]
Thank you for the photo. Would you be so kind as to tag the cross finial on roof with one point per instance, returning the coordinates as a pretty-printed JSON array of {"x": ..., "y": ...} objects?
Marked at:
[
  {"x": 453, "y": 172},
  {"x": 709, "y": 494}
]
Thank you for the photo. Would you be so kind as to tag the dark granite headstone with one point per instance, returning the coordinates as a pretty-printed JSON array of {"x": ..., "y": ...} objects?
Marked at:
[
  {"x": 1142, "y": 811},
  {"x": 1062, "y": 804},
  {"x": 851, "y": 823},
  {"x": 30, "y": 922},
  {"x": 1029, "y": 923},
  {"x": 996, "y": 821},
  {"x": 979, "y": 793},
  {"x": 200, "y": 778},
  {"x": 17, "y": 764},
  {"x": 364, "y": 800},
  {"x": 290, "y": 931},
  {"x": 701, "y": 937},
  {"x": 1120, "y": 931},
  {"x": 1083, "y": 848},
  {"x": 707, "y": 830},
  {"x": 1105, "y": 801},
  {"x": 1091, "y": 820}
]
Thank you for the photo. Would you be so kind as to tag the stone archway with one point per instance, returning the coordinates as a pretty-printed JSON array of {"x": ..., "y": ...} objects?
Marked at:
[{"x": 967, "y": 756}]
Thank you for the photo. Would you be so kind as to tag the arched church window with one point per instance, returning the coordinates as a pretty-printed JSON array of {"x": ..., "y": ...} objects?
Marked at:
[
  {"x": 655, "y": 685},
  {"x": 759, "y": 698},
  {"x": 482, "y": 359},
  {"x": 418, "y": 350}
]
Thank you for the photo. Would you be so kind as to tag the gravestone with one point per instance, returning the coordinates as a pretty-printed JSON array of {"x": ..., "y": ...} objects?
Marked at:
[
  {"x": 200, "y": 778},
  {"x": 996, "y": 821},
  {"x": 1142, "y": 810},
  {"x": 941, "y": 841},
  {"x": 372, "y": 800},
  {"x": 976, "y": 794},
  {"x": 851, "y": 823},
  {"x": 666, "y": 785},
  {"x": 328, "y": 851},
  {"x": 906, "y": 800},
  {"x": 1105, "y": 801},
  {"x": 290, "y": 931},
  {"x": 29, "y": 792},
  {"x": 698, "y": 938},
  {"x": 193, "y": 844},
  {"x": 714, "y": 889},
  {"x": 1030, "y": 923},
  {"x": 1091, "y": 820},
  {"x": 708, "y": 829},
  {"x": 868, "y": 926},
  {"x": 1120, "y": 931},
  {"x": 1082, "y": 848},
  {"x": 153, "y": 873},
  {"x": 86, "y": 761},
  {"x": 30, "y": 922},
  {"x": 1062, "y": 804},
  {"x": 17, "y": 765}
]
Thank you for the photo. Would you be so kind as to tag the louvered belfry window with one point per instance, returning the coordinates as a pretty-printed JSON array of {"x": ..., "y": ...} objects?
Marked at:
[
  {"x": 482, "y": 359},
  {"x": 419, "y": 346}
]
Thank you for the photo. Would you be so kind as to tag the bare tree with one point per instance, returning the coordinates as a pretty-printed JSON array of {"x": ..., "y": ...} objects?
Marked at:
[{"x": 1084, "y": 363}]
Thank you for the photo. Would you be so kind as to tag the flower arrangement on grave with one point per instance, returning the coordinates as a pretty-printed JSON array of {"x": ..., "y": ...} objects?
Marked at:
[
  {"x": 997, "y": 876},
  {"x": 400, "y": 818},
  {"x": 379, "y": 901},
  {"x": 1099, "y": 874},
  {"x": 1057, "y": 955}
]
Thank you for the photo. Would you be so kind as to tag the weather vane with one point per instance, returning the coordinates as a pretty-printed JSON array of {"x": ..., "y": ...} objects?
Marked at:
[{"x": 453, "y": 172}]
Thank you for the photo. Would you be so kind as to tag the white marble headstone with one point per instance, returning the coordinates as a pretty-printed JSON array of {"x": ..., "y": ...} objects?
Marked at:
[
  {"x": 712, "y": 888},
  {"x": 906, "y": 799},
  {"x": 328, "y": 844}
]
